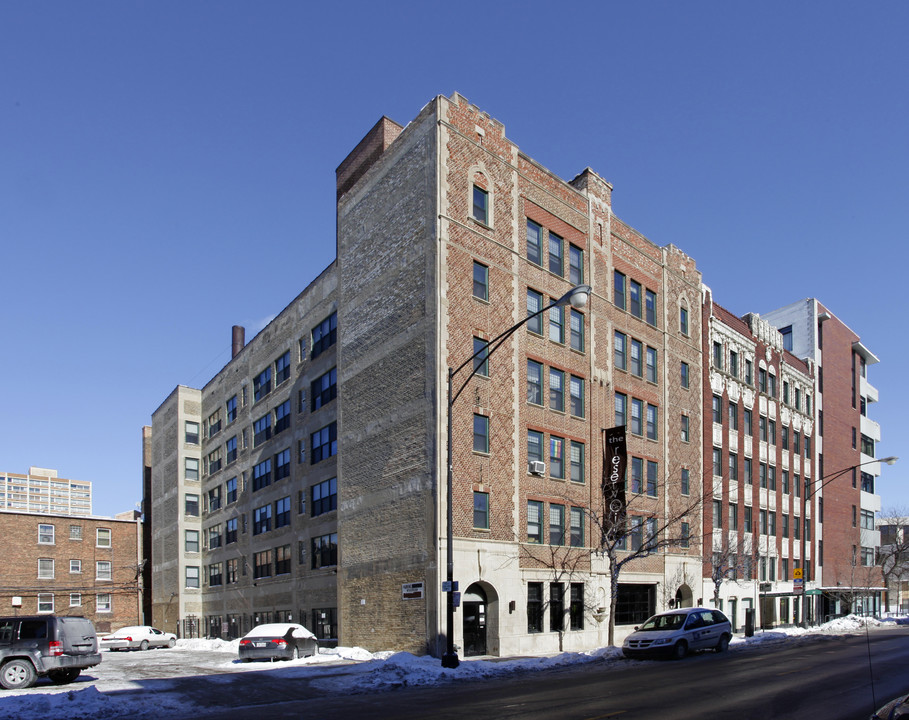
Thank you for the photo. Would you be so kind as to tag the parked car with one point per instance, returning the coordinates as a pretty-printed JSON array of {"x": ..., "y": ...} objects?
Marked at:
[
  {"x": 277, "y": 641},
  {"x": 138, "y": 637},
  {"x": 45, "y": 645},
  {"x": 674, "y": 634}
]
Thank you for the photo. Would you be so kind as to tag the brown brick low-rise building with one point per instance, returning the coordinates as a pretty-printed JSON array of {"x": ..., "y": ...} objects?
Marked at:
[{"x": 71, "y": 565}]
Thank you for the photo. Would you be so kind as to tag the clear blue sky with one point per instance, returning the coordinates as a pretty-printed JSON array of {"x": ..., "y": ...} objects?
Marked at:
[{"x": 167, "y": 171}]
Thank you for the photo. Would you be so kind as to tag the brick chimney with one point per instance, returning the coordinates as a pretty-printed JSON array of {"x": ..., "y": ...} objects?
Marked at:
[{"x": 238, "y": 340}]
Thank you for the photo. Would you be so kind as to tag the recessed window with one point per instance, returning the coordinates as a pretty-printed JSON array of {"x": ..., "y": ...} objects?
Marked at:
[
  {"x": 324, "y": 335},
  {"x": 75, "y": 599},
  {"x": 637, "y": 416},
  {"x": 636, "y": 364},
  {"x": 231, "y": 487},
  {"x": 323, "y": 390},
  {"x": 683, "y": 320},
  {"x": 324, "y": 497},
  {"x": 191, "y": 432},
  {"x": 480, "y": 205},
  {"x": 191, "y": 577},
  {"x": 191, "y": 541},
  {"x": 618, "y": 290},
  {"x": 481, "y": 353},
  {"x": 214, "y": 461},
  {"x": 556, "y": 390},
  {"x": 282, "y": 560},
  {"x": 191, "y": 505},
  {"x": 481, "y": 510},
  {"x": 103, "y": 603},
  {"x": 534, "y": 448},
  {"x": 325, "y": 551},
  {"x": 534, "y": 521},
  {"x": 650, "y": 307},
  {"x": 621, "y": 352},
  {"x": 231, "y": 448},
  {"x": 324, "y": 443},
  {"x": 635, "y": 306},
  {"x": 577, "y": 462},
  {"x": 480, "y": 434},
  {"x": 282, "y": 368},
  {"x": 191, "y": 468},
  {"x": 75, "y": 532},
  {"x": 534, "y": 243},
  {"x": 576, "y": 328},
  {"x": 214, "y": 423},
  {"x": 556, "y": 524},
  {"x": 45, "y": 602},
  {"x": 556, "y": 252},
  {"x": 262, "y": 430},
  {"x": 621, "y": 409},
  {"x": 652, "y": 422},
  {"x": 575, "y": 265},
  {"x": 557, "y": 457},
  {"x": 557, "y": 324},
  {"x": 576, "y": 391},
  {"x": 282, "y": 464},
  {"x": 686, "y": 431},
  {"x": 262, "y": 519},
  {"x": 282, "y": 512},
  {"x": 262, "y": 384},
  {"x": 75, "y": 567},
  {"x": 480, "y": 281},
  {"x": 231, "y": 409},
  {"x": 262, "y": 474},
  {"x": 534, "y": 308},
  {"x": 651, "y": 364}
]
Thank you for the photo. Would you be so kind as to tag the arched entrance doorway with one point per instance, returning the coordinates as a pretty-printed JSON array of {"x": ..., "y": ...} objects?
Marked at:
[
  {"x": 684, "y": 597},
  {"x": 474, "y": 604}
]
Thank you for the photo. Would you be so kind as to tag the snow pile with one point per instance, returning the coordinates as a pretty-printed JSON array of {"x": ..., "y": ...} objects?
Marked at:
[
  {"x": 86, "y": 703},
  {"x": 214, "y": 645}
]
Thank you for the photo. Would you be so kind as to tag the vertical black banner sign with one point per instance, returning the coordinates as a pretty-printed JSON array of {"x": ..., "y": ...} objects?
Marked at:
[{"x": 614, "y": 463}]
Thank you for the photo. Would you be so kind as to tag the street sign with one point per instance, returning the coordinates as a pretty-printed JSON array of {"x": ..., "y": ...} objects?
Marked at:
[
  {"x": 449, "y": 586},
  {"x": 797, "y": 573},
  {"x": 412, "y": 591}
]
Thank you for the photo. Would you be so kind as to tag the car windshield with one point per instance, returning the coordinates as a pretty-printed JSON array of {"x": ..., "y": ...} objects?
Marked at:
[{"x": 664, "y": 622}]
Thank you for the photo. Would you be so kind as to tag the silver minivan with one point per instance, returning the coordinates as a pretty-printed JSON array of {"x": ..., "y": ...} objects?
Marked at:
[{"x": 676, "y": 633}]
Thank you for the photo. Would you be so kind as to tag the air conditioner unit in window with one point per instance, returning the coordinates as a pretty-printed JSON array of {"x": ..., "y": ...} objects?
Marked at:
[{"x": 537, "y": 467}]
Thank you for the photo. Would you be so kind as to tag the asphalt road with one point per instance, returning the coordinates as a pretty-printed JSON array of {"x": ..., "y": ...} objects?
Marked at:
[{"x": 818, "y": 677}]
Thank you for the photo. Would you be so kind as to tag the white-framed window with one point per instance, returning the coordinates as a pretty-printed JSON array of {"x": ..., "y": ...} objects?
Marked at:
[
  {"x": 45, "y": 568},
  {"x": 45, "y": 534},
  {"x": 75, "y": 532},
  {"x": 103, "y": 570},
  {"x": 75, "y": 567},
  {"x": 45, "y": 602},
  {"x": 75, "y": 599},
  {"x": 102, "y": 538},
  {"x": 103, "y": 603}
]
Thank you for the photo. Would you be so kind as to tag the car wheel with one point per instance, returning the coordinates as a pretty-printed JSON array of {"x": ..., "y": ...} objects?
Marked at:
[
  {"x": 18, "y": 674},
  {"x": 679, "y": 650},
  {"x": 723, "y": 644},
  {"x": 171, "y": 643},
  {"x": 64, "y": 676},
  {"x": 143, "y": 645}
]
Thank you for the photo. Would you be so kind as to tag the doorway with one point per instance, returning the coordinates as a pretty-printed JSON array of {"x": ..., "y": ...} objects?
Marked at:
[{"x": 474, "y": 604}]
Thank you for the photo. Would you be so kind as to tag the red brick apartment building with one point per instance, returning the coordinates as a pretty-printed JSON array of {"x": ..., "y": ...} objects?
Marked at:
[
  {"x": 71, "y": 565},
  {"x": 759, "y": 439}
]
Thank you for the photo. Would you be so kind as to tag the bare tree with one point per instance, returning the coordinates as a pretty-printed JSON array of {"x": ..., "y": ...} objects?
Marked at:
[
  {"x": 727, "y": 564},
  {"x": 893, "y": 553}
]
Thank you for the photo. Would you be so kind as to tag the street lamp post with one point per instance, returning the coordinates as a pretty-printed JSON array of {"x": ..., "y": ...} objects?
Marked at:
[
  {"x": 576, "y": 297},
  {"x": 823, "y": 482}
]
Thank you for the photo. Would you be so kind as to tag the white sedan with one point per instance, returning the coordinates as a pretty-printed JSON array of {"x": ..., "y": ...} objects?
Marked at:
[{"x": 138, "y": 637}]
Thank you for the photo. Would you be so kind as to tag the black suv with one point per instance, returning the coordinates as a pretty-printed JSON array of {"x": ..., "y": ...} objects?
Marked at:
[{"x": 56, "y": 646}]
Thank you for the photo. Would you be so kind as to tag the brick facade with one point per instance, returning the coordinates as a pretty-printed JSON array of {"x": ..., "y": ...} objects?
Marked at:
[{"x": 71, "y": 567}]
